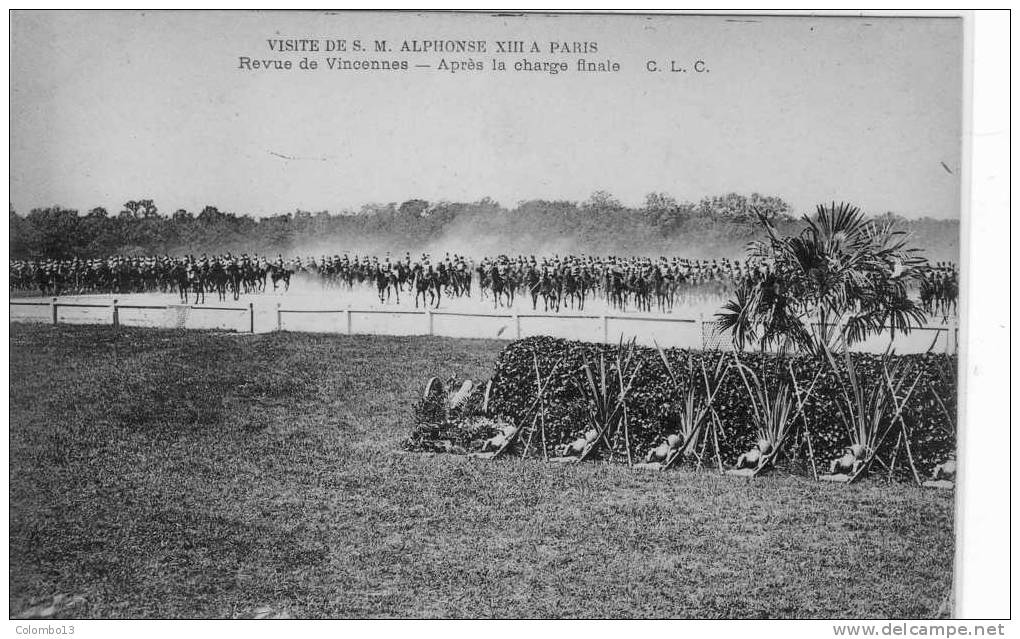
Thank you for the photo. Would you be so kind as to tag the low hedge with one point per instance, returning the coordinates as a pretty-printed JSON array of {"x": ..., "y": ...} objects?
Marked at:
[
  {"x": 651, "y": 403},
  {"x": 458, "y": 436}
]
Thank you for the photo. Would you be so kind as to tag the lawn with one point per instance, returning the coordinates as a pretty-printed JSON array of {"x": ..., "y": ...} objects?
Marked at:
[{"x": 189, "y": 474}]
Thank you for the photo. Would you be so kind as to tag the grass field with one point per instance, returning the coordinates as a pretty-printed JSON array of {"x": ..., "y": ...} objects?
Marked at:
[{"x": 188, "y": 474}]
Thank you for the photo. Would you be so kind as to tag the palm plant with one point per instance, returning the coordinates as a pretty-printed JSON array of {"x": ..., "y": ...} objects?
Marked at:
[
  {"x": 691, "y": 414},
  {"x": 605, "y": 389},
  {"x": 695, "y": 406},
  {"x": 773, "y": 413},
  {"x": 841, "y": 279},
  {"x": 870, "y": 413}
]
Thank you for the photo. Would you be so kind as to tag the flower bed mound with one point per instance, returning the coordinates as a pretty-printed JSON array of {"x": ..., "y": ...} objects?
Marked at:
[{"x": 652, "y": 404}]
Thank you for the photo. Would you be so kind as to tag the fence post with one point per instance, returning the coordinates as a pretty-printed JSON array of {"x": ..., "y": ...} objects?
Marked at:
[
  {"x": 347, "y": 320},
  {"x": 428, "y": 319},
  {"x": 53, "y": 310},
  {"x": 605, "y": 329},
  {"x": 251, "y": 317},
  {"x": 116, "y": 315},
  {"x": 701, "y": 327},
  {"x": 279, "y": 317},
  {"x": 517, "y": 325}
]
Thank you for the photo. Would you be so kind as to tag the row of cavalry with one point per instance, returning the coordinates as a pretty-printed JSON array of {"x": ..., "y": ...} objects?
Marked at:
[
  {"x": 554, "y": 282},
  {"x": 222, "y": 276}
]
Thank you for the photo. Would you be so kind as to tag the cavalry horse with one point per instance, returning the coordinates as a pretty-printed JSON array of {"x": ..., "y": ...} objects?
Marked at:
[
  {"x": 278, "y": 274},
  {"x": 218, "y": 280},
  {"x": 187, "y": 277},
  {"x": 235, "y": 278},
  {"x": 426, "y": 282},
  {"x": 386, "y": 284},
  {"x": 549, "y": 288},
  {"x": 533, "y": 282},
  {"x": 196, "y": 282},
  {"x": 500, "y": 286}
]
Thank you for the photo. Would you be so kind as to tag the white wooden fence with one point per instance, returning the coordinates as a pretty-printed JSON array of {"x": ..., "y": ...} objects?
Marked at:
[
  {"x": 664, "y": 330},
  {"x": 115, "y": 308},
  {"x": 600, "y": 323}
]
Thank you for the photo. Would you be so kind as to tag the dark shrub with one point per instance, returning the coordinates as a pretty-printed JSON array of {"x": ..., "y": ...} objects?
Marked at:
[{"x": 652, "y": 400}]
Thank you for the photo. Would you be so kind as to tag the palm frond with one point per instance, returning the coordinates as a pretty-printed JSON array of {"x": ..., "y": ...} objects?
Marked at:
[{"x": 840, "y": 263}]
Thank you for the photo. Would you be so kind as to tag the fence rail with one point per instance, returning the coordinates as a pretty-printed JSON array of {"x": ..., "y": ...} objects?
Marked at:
[
  {"x": 707, "y": 334},
  {"x": 116, "y": 307}
]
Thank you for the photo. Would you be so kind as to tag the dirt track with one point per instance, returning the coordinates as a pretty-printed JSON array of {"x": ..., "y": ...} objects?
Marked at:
[{"x": 688, "y": 326}]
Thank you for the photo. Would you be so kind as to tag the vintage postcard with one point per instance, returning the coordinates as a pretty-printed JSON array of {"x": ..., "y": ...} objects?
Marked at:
[{"x": 356, "y": 314}]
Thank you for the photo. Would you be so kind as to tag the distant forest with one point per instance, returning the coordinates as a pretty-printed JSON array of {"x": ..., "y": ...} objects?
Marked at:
[{"x": 715, "y": 227}]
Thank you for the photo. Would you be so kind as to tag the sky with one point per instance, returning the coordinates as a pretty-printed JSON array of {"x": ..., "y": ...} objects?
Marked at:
[{"x": 108, "y": 107}]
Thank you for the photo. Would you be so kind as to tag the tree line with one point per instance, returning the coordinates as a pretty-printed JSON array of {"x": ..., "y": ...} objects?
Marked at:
[{"x": 719, "y": 226}]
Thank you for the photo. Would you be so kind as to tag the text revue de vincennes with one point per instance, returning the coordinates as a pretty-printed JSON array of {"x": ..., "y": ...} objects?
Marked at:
[{"x": 443, "y": 48}]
